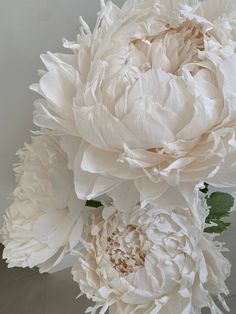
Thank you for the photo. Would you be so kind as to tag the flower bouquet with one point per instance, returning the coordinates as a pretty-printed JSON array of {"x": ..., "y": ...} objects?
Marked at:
[{"x": 137, "y": 123}]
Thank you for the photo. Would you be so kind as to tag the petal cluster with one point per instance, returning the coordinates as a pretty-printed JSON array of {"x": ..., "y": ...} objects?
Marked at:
[
  {"x": 137, "y": 118},
  {"x": 150, "y": 260},
  {"x": 150, "y": 91},
  {"x": 45, "y": 221}
]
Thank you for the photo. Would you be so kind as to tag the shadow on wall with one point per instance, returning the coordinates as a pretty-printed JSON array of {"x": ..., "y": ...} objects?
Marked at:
[{"x": 26, "y": 291}]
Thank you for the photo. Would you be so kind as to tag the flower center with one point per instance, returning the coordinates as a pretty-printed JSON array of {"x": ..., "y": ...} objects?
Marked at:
[
  {"x": 169, "y": 50},
  {"x": 125, "y": 249}
]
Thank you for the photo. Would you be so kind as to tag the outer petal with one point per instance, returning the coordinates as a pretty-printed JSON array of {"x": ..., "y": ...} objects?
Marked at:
[
  {"x": 101, "y": 129},
  {"x": 125, "y": 196},
  {"x": 89, "y": 185}
]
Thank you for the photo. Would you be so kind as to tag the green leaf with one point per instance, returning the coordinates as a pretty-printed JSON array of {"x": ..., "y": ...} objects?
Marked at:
[
  {"x": 221, "y": 227},
  {"x": 220, "y": 204},
  {"x": 93, "y": 203}
]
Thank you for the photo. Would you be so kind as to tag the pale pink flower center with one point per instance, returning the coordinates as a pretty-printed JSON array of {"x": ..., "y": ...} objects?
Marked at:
[
  {"x": 125, "y": 249},
  {"x": 170, "y": 49}
]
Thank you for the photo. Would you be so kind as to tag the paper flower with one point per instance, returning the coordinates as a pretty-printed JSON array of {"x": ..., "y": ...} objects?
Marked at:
[
  {"x": 151, "y": 92},
  {"x": 45, "y": 220},
  {"x": 150, "y": 260}
]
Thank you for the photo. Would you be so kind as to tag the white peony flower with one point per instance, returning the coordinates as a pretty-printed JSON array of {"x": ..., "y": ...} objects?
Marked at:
[
  {"x": 151, "y": 261},
  {"x": 45, "y": 221},
  {"x": 151, "y": 92}
]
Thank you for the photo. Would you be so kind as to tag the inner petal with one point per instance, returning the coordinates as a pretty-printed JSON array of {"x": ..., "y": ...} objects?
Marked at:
[
  {"x": 169, "y": 50},
  {"x": 125, "y": 249}
]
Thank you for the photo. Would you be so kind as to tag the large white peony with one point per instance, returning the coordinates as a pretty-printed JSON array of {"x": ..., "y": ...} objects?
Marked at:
[
  {"x": 150, "y": 261},
  {"x": 45, "y": 221},
  {"x": 151, "y": 91}
]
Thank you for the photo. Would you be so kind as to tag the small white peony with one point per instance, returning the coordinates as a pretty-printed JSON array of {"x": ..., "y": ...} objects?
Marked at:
[
  {"x": 151, "y": 92},
  {"x": 45, "y": 221},
  {"x": 150, "y": 260}
]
